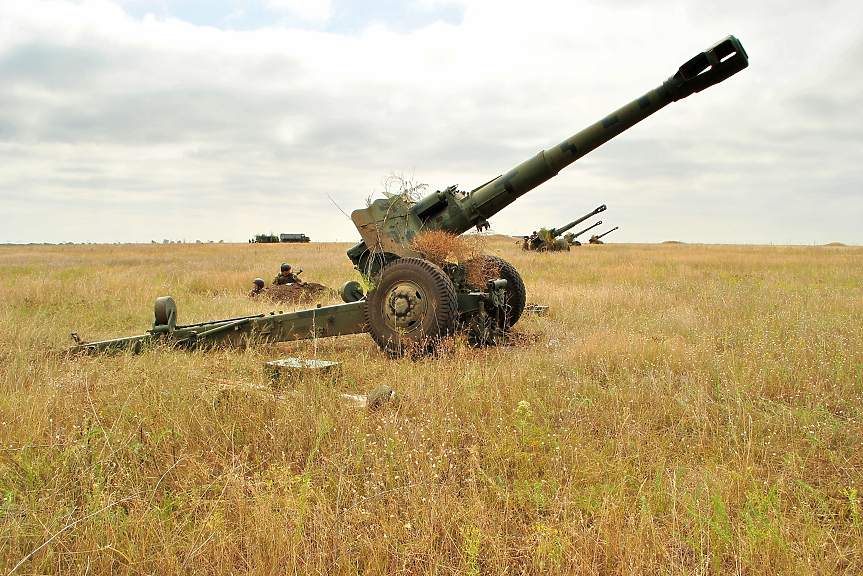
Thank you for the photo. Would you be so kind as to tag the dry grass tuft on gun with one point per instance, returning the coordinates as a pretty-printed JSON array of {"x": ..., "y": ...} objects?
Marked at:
[{"x": 442, "y": 248}]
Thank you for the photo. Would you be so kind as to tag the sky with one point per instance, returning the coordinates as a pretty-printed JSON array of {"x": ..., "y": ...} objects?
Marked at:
[{"x": 140, "y": 120}]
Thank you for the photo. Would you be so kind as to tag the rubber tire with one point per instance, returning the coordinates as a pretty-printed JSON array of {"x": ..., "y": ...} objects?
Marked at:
[
  {"x": 516, "y": 293},
  {"x": 439, "y": 320}
]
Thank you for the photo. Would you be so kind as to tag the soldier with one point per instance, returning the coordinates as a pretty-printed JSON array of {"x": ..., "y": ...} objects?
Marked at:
[
  {"x": 286, "y": 276},
  {"x": 595, "y": 240},
  {"x": 257, "y": 288}
]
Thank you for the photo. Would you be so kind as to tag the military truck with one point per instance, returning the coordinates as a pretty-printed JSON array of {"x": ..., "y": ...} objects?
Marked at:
[{"x": 294, "y": 238}]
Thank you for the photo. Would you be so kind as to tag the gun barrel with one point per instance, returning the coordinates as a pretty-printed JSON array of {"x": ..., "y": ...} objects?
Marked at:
[
  {"x": 717, "y": 63},
  {"x": 609, "y": 232},
  {"x": 555, "y": 232},
  {"x": 389, "y": 225},
  {"x": 577, "y": 234}
]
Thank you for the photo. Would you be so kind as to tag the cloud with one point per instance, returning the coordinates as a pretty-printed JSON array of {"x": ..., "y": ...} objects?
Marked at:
[
  {"x": 175, "y": 129},
  {"x": 348, "y": 17},
  {"x": 310, "y": 9}
]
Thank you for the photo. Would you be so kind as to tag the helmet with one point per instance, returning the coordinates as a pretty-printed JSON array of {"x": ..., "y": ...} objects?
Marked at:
[
  {"x": 258, "y": 282},
  {"x": 285, "y": 267}
]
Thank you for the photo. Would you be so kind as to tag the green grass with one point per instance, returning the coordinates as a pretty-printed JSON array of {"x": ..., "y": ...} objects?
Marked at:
[{"x": 684, "y": 409}]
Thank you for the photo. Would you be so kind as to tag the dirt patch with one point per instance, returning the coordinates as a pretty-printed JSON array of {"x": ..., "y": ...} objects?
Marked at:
[{"x": 297, "y": 292}]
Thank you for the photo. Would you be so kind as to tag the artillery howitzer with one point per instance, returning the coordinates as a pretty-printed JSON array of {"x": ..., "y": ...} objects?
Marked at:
[
  {"x": 571, "y": 238},
  {"x": 547, "y": 240},
  {"x": 414, "y": 302},
  {"x": 597, "y": 239}
]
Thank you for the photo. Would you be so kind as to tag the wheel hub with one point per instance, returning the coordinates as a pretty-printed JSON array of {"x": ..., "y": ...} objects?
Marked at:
[{"x": 404, "y": 306}]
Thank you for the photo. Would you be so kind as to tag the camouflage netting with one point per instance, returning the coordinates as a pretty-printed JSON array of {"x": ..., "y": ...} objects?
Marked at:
[{"x": 296, "y": 292}]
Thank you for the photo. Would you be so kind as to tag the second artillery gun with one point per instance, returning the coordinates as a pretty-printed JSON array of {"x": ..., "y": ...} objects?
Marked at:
[
  {"x": 571, "y": 238},
  {"x": 549, "y": 240},
  {"x": 598, "y": 239},
  {"x": 415, "y": 302}
]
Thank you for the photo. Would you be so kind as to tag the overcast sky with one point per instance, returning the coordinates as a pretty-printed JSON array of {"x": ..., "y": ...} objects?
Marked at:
[{"x": 139, "y": 120}]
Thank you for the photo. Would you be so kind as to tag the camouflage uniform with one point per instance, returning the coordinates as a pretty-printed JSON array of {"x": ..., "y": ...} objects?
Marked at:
[
  {"x": 290, "y": 278},
  {"x": 257, "y": 290}
]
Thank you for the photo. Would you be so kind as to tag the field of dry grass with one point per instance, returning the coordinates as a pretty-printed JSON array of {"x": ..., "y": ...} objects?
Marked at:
[{"x": 682, "y": 410}]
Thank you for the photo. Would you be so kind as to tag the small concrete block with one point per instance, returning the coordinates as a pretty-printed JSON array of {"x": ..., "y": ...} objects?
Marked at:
[
  {"x": 536, "y": 310},
  {"x": 298, "y": 367},
  {"x": 355, "y": 400}
]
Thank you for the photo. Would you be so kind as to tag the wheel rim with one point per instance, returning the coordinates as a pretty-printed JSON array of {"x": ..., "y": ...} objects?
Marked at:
[
  {"x": 404, "y": 306},
  {"x": 515, "y": 298}
]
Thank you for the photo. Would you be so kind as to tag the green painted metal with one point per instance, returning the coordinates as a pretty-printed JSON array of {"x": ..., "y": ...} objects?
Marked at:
[
  {"x": 341, "y": 319},
  {"x": 555, "y": 232},
  {"x": 597, "y": 239},
  {"x": 547, "y": 239},
  {"x": 389, "y": 225},
  {"x": 571, "y": 238},
  {"x": 607, "y": 233},
  {"x": 321, "y": 322}
]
